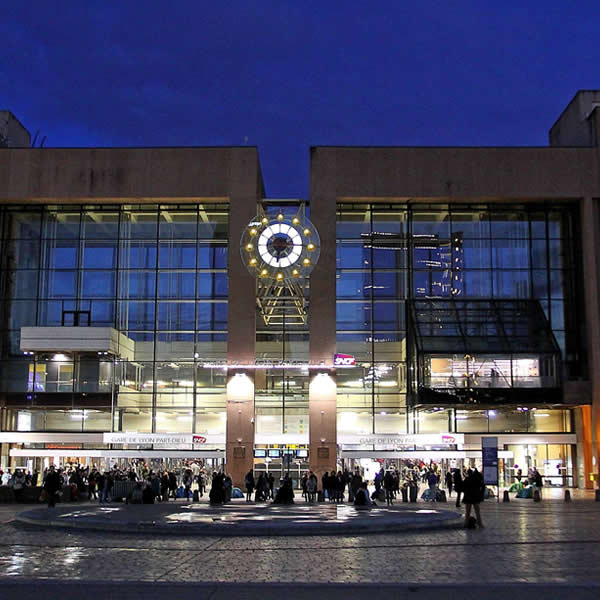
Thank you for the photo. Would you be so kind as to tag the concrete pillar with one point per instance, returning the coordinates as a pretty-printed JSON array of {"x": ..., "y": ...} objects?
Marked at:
[
  {"x": 322, "y": 388},
  {"x": 246, "y": 191},
  {"x": 590, "y": 230}
]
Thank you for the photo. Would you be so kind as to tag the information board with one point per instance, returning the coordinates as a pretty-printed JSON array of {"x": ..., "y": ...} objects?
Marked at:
[{"x": 489, "y": 451}]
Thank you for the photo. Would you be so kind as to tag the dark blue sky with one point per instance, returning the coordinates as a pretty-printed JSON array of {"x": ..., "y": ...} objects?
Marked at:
[{"x": 285, "y": 75}]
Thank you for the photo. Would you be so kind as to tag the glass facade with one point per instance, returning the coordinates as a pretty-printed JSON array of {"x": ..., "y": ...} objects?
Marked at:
[
  {"x": 155, "y": 273},
  {"x": 474, "y": 261}
]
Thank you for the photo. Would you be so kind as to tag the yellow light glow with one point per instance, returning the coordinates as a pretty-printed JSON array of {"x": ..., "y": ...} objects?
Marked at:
[
  {"x": 264, "y": 273},
  {"x": 253, "y": 231},
  {"x": 310, "y": 247},
  {"x": 280, "y": 217},
  {"x": 252, "y": 261},
  {"x": 295, "y": 273},
  {"x": 264, "y": 220},
  {"x": 279, "y": 275},
  {"x": 306, "y": 231},
  {"x": 295, "y": 221},
  {"x": 249, "y": 246}
]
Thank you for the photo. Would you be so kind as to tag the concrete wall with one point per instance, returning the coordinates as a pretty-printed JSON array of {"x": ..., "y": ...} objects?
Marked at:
[
  {"x": 577, "y": 125},
  {"x": 12, "y": 133}
]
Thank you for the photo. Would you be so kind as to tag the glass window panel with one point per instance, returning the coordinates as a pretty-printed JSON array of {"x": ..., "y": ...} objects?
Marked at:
[
  {"x": 176, "y": 316},
  {"x": 212, "y": 316},
  {"x": 390, "y": 421},
  {"x": 137, "y": 255},
  {"x": 139, "y": 225},
  {"x": 353, "y": 316},
  {"x": 175, "y": 346},
  {"x": 558, "y": 254},
  {"x": 389, "y": 220},
  {"x": 353, "y": 284},
  {"x": 510, "y": 254},
  {"x": 178, "y": 223},
  {"x": 389, "y": 316},
  {"x": 389, "y": 285},
  {"x": 100, "y": 225},
  {"x": 22, "y": 284},
  {"x": 352, "y": 256},
  {"x": 557, "y": 283},
  {"x": 60, "y": 254},
  {"x": 538, "y": 225},
  {"x": 177, "y": 255},
  {"x": 557, "y": 314},
  {"x": 136, "y": 315},
  {"x": 98, "y": 284},
  {"x": 100, "y": 254},
  {"x": 50, "y": 313},
  {"x": 22, "y": 254},
  {"x": 212, "y": 285},
  {"x": 511, "y": 284},
  {"x": 213, "y": 224},
  {"x": 102, "y": 313},
  {"x": 61, "y": 225},
  {"x": 137, "y": 284},
  {"x": 509, "y": 224},
  {"x": 22, "y": 314},
  {"x": 476, "y": 254},
  {"x": 137, "y": 420},
  {"x": 59, "y": 284},
  {"x": 24, "y": 225},
  {"x": 356, "y": 344},
  {"x": 391, "y": 257},
  {"x": 434, "y": 222},
  {"x": 538, "y": 254},
  {"x": 473, "y": 224},
  {"x": 176, "y": 285},
  {"x": 212, "y": 256},
  {"x": 352, "y": 223},
  {"x": 558, "y": 224},
  {"x": 540, "y": 284},
  {"x": 476, "y": 284}
]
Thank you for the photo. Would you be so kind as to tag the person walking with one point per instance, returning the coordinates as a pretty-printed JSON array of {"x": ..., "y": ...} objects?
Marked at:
[
  {"x": 388, "y": 484},
  {"x": 473, "y": 489},
  {"x": 458, "y": 485}
]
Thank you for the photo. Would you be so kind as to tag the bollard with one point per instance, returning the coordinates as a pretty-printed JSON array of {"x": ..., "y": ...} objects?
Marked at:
[
  {"x": 567, "y": 496},
  {"x": 536, "y": 496},
  {"x": 597, "y": 495},
  {"x": 505, "y": 497}
]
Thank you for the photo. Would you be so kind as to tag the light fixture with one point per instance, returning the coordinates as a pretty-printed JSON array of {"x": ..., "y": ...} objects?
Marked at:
[
  {"x": 306, "y": 261},
  {"x": 253, "y": 231},
  {"x": 295, "y": 221},
  {"x": 280, "y": 217},
  {"x": 249, "y": 247},
  {"x": 253, "y": 261},
  {"x": 264, "y": 221},
  {"x": 310, "y": 247},
  {"x": 306, "y": 231}
]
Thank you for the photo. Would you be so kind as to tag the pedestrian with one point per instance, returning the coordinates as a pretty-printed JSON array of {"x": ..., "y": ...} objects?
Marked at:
[
  {"x": 458, "y": 485},
  {"x": 250, "y": 484},
  {"x": 388, "y": 484},
  {"x": 449, "y": 482},
  {"x": 473, "y": 489},
  {"x": 52, "y": 485}
]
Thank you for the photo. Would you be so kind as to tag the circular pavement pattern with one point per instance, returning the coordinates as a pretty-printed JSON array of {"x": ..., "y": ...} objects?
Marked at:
[{"x": 241, "y": 519}]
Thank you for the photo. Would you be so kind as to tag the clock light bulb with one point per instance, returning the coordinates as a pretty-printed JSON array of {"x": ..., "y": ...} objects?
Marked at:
[
  {"x": 264, "y": 221},
  {"x": 310, "y": 246},
  {"x": 249, "y": 247},
  {"x": 253, "y": 231},
  {"x": 306, "y": 231},
  {"x": 306, "y": 261},
  {"x": 264, "y": 273},
  {"x": 295, "y": 221},
  {"x": 279, "y": 276}
]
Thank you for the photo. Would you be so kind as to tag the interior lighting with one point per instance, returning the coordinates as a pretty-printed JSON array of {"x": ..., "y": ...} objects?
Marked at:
[
  {"x": 537, "y": 414},
  {"x": 386, "y": 383},
  {"x": 60, "y": 357}
]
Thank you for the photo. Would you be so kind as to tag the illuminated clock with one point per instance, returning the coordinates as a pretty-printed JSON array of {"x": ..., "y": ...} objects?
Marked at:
[{"x": 280, "y": 247}]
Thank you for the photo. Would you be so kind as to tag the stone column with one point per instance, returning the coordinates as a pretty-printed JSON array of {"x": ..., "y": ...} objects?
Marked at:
[
  {"x": 322, "y": 388},
  {"x": 246, "y": 191},
  {"x": 590, "y": 232}
]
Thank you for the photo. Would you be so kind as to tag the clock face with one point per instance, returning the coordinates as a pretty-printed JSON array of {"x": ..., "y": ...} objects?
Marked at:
[{"x": 280, "y": 247}]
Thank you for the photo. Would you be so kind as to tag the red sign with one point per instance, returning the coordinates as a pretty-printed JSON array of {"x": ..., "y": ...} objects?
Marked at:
[
  {"x": 344, "y": 360},
  {"x": 198, "y": 439}
]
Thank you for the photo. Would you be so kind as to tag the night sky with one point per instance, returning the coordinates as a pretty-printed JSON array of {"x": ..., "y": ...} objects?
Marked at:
[{"x": 285, "y": 75}]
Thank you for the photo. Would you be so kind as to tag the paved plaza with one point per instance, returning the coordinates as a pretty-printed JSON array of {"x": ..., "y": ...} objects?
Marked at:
[{"x": 551, "y": 543}]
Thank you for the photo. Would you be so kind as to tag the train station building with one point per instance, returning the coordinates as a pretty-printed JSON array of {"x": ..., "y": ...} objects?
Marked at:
[{"x": 157, "y": 305}]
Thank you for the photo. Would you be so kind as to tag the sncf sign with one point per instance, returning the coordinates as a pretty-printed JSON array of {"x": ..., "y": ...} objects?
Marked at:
[{"x": 344, "y": 360}]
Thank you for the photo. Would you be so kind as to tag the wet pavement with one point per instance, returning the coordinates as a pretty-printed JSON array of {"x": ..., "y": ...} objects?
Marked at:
[
  {"x": 551, "y": 542},
  {"x": 243, "y": 519}
]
